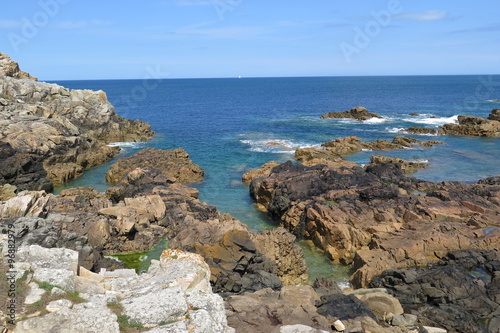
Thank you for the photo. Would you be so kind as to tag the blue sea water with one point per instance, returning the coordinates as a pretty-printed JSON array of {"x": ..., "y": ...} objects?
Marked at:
[{"x": 231, "y": 125}]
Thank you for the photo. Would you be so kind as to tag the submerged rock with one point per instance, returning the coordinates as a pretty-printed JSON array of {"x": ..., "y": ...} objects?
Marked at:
[{"x": 359, "y": 113}]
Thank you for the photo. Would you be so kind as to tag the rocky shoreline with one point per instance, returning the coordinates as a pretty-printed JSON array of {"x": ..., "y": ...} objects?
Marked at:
[{"x": 217, "y": 275}]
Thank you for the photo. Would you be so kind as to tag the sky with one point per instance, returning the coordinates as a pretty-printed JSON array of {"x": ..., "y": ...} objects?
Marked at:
[{"x": 126, "y": 39}]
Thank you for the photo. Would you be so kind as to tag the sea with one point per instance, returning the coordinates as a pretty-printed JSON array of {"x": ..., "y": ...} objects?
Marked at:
[{"x": 231, "y": 125}]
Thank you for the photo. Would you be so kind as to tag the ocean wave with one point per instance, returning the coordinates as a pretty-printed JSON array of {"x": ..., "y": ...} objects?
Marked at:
[
  {"x": 494, "y": 100},
  {"x": 126, "y": 144},
  {"x": 396, "y": 130},
  {"x": 432, "y": 120},
  {"x": 376, "y": 120},
  {"x": 420, "y": 160},
  {"x": 277, "y": 146}
]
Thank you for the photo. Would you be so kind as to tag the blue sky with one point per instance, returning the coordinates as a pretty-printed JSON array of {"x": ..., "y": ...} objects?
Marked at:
[{"x": 111, "y": 39}]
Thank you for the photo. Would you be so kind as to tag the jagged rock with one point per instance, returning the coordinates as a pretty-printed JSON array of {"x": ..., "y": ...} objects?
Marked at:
[
  {"x": 332, "y": 151},
  {"x": 359, "y": 113},
  {"x": 262, "y": 171},
  {"x": 494, "y": 115},
  {"x": 474, "y": 126},
  {"x": 266, "y": 310},
  {"x": 298, "y": 328},
  {"x": 452, "y": 294},
  {"x": 408, "y": 167},
  {"x": 404, "y": 320},
  {"x": 174, "y": 164},
  {"x": 429, "y": 329},
  {"x": 175, "y": 289},
  {"x": 49, "y": 134},
  {"x": 8, "y": 67},
  {"x": 467, "y": 125},
  {"x": 377, "y": 218},
  {"x": 77, "y": 319}
]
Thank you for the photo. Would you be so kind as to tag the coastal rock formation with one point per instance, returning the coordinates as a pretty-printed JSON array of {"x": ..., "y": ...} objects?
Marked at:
[
  {"x": 263, "y": 171},
  {"x": 175, "y": 164},
  {"x": 334, "y": 150},
  {"x": 9, "y": 67},
  {"x": 467, "y": 125},
  {"x": 173, "y": 296},
  {"x": 408, "y": 167},
  {"x": 474, "y": 126},
  {"x": 376, "y": 217},
  {"x": 49, "y": 134},
  {"x": 460, "y": 293},
  {"x": 140, "y": 212},
  {"x": 359, "y": 113}
]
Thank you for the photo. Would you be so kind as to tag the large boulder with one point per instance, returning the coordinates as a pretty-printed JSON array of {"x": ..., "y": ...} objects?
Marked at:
[
  {"x": 8, "y": 67},
  {"x": 174, "y": 164},
  {"x": 359, "y": 113}
]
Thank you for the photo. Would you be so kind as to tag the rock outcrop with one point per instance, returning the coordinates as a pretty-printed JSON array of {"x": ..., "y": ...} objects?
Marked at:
[
  {"x": 50, "y": 134},
  {"x": 460, "y": 293},
  {"x": 138, "y": 213},
  {"x": 333, "y": 150},
  {"x": 175, "y": 165},
  {"x": 359, "y": 113},
  {"x": 173, "y": 296},
  {"x": 467, "y": 126},
  {"x": 8, "y": 67},
  {"x": 376, "y": 217},
  {"x": 408, "y": 167}
]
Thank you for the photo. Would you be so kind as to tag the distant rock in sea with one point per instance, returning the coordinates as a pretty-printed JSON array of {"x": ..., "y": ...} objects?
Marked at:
[
  {"x": 50, "y": 134},
  {"x": 359, "y": 113},
  {"x": 466, "y": 126}
]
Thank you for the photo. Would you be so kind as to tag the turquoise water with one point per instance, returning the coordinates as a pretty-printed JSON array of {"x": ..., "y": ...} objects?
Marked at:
[{"x": 227, "y": 125}]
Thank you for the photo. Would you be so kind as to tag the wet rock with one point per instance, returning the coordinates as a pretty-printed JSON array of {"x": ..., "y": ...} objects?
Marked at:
[
  {"x": 494, "y": 115},
  {"x": 359, "y": 113},
  {"x": 474, "y": 126},
  {"x": 408, "y": 167},
  {"x": 174, "y": 164},
  {"x": 262, "y": 171}
]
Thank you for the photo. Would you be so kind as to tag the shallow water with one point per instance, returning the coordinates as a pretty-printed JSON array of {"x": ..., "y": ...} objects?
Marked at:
[{"x": 231, "y": 125}]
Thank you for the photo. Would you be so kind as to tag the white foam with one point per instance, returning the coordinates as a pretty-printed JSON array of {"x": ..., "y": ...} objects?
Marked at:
[
  {"x": 375, "y": 120},
  {"x": 126, "y": 144},
  {"x": 432, "y": 120},
  {"x": 420, "y": 161},
  {"x": 396, "y": 130},
  {"x": 278, "y": 146}
]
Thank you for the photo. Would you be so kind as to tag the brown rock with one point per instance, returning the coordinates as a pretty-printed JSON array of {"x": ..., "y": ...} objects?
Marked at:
[
  {"x": 408, "y": 167},
  {"x": 8, "y": 67},
  {"x": 359, "y": 113},
  {"x": 262, "y": 171},
  {"x": 174, "y": 164}
]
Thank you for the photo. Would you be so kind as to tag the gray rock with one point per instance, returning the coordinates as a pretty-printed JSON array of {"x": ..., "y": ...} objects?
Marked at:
[
  {"x": 79, "y": 319},
  {"x": 58, "y": 305},
  {"x": 59, "y": 277},
  {"x": 382, "y": 304},
  {"x": 177, "y": 327},
  {"x": 156, "y": 307},
  {"x": 428, "y": 329},
  {"x": 404, "y": 320},
  {"x": 35, "y": 293},
  {"x": 299, "y": 329},
  {"x": 55, "y": 258}
]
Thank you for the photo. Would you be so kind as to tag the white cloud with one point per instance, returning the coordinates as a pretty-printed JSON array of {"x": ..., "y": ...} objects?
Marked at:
[{"x": 428, "y": 15}]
